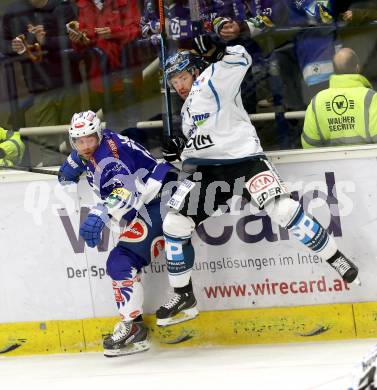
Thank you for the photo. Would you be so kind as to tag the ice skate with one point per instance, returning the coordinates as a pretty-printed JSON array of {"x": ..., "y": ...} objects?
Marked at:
[
  {"x": 181, "y": 307},
  {"x": 128, "y": 338},
  {"x": 346, "y": 269}
]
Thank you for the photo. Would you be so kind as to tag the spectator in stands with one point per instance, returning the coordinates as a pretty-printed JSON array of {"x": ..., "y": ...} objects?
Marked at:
[
  {"x": 49, "y": 75},
  {"x": 179, "y": 30},
  {"x": 313, "y": 48},
  {"x": 357, "y": 14},
  {"x": 345, "y": 113},
  {"x": 180, "y": 27},
  {"x": 245, "y": 24},
  {"x": 305, "y": 54},
  {"x": 239, "y": 25},
  {"x": 11, "y": 148},
  {"x": 150, "y": 22},
  {"x": 108, "y": 25},
  {"x": 360, "y": 12},
  {"x": 314, "y": 45}
]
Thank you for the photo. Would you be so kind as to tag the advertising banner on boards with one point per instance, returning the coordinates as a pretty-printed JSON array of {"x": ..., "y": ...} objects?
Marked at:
[{"x": 242, "y": 260}]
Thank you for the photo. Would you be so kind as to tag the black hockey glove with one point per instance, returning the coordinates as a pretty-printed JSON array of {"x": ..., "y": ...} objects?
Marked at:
[
  {"x": 212, "y": 51},
  {"x": 172, "y": 148}
]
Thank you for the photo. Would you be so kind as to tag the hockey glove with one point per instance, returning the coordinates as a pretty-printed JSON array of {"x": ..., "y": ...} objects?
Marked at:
[
  {"x": 172, "y": 148},
  {"x": 208, "y": 48},
  {"x": 71, "y": 169},
  {"x": 92, "y": 227}
]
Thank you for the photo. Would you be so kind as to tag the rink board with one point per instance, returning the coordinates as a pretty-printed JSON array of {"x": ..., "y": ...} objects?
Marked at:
[
  {"x": 57, "y": 298},
  {"x": 230, "y": 327}
]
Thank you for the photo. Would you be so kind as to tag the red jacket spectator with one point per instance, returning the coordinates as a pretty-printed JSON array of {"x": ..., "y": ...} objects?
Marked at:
[{"x": 123, "y": 19}]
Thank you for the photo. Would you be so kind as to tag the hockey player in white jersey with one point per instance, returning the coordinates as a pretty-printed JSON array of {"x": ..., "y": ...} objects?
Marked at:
[{"x": 219, "y": 148}]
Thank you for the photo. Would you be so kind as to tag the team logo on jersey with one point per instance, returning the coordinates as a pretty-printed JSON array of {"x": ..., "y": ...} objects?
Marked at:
[
  {"x": 158, "y": 248},
  {"x": 121, "y": 192},
  {"x": 199, "y": 119},
  {"x": 117, "y": 197},
  {"x": 200, "y": 142},
  {"x": 135, "y": 232}
]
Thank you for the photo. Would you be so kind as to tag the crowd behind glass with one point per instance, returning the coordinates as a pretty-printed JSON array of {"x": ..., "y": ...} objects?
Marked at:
[{"x": 59, "y": 57}]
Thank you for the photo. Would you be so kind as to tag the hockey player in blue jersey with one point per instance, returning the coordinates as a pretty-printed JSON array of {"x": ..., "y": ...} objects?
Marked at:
[{"x": 129, "y": 183}]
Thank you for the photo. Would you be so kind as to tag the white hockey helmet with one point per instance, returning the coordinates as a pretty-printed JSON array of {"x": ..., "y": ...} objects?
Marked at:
[{"x": 83, "y": 124}]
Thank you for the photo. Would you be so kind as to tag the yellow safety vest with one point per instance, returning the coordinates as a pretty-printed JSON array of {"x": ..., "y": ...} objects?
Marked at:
[
  {"x": 12, "y": 146},
  {"x": 344, "y": 114}
]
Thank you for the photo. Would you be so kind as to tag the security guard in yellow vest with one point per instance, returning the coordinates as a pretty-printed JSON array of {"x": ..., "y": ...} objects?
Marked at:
[
  {"x": 11, "y": 148},
  {"x": 345, "y": 113}
]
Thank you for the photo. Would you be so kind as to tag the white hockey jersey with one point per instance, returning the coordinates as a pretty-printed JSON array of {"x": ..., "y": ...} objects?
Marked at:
[{"x": 214, "y": 121}]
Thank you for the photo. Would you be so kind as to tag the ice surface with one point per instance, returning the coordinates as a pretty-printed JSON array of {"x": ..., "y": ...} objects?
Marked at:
[{"x": 305, "y": 366}]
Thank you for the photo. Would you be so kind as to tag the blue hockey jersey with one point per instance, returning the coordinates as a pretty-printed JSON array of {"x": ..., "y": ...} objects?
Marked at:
[{"x": 124, "y": 174}]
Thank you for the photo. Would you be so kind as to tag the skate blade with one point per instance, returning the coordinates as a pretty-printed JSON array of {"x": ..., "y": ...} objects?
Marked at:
[
  {"x": 129, "y": 350},
  {"x": 184, "y": 315}
]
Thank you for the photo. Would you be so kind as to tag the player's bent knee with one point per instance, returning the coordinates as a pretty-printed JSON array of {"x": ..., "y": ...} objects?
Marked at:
[
  {"x": 120, "y": 263},
  {"x": 178, "y": 225},
  {"x": 283, "y": 210},
  {"x": 117, "y": 269}
]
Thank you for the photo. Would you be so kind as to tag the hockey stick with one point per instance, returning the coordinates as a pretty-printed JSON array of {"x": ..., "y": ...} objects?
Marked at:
[
  {"x": 163, "y": 37},
  {"x": 31, "y": 169}
]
